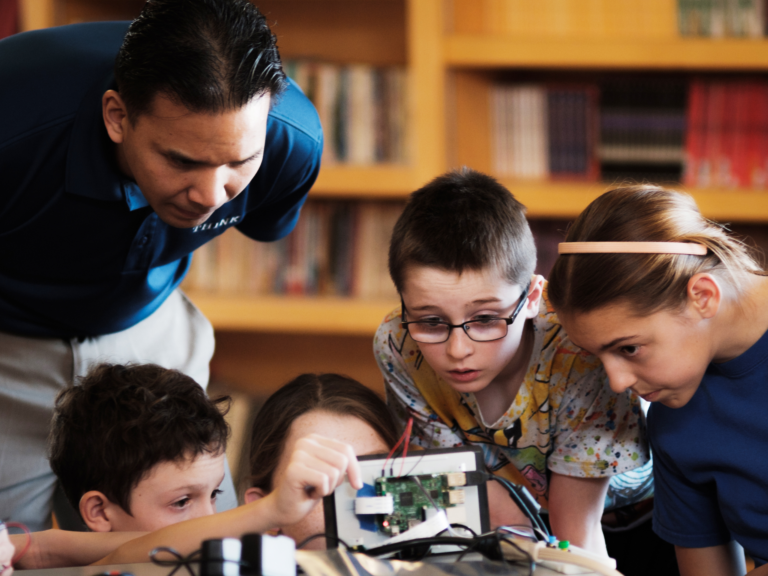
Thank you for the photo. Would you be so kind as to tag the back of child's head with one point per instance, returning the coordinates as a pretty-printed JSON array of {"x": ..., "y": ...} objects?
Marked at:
[
  {"x": 463, "y": 220},
  {"x": 326, "y": 392},
  {"x": 116, "y": 424},
  {"x": 581, "y": 283}
]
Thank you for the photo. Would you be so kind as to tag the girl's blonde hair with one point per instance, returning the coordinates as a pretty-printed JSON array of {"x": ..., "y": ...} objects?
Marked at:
[{"x": 647, "y": 282}]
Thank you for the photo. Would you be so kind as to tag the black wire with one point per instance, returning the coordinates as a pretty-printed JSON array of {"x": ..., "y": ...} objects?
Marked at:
[
  {"x": 178, "y": 562},
  {"x": 322, "y": 535},
  {"x": 532, "y": 515},
  {"x": 462, "y": 526},
  {"x": 531, "y": 562},
  {"x": 398, "y": 546}
]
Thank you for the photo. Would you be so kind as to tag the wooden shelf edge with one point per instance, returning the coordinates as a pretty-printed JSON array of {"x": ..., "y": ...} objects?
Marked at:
[
  {"x": 293, "y": 314},
  {"x": 681, "y": 53},
  {"x": 568, "y": 199},
  {"x": 384, "y": 181}
]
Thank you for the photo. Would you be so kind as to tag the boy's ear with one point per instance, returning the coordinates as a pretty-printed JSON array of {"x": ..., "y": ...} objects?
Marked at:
[
  {"x": 95, "y": 510},
  {"x": 534, "y": 297},
  {"x": 253, "y": 494},
  {"x": 704, "y": 294}
]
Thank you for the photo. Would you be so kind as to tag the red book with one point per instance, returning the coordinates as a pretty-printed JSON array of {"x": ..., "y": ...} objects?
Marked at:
[
  {"x": 9, "y": 17},
  {"x": 759, "y": 165},
  {"x": 739, "y": 167},
  {"x": 694, "y": 141},
  {"x": 728, "y": 131},
  {"x": 713, "y": 135}
]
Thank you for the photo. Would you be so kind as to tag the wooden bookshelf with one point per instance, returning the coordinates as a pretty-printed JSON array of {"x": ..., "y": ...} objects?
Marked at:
[
  {"x": 293, "y": 314},
  {"x": 470, "y": 51},
  {"x": 383, "y": 181},
  {"x": 545, "y": 199}
]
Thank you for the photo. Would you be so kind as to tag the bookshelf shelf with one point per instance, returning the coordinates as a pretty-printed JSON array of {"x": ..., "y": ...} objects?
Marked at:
[
  {"x": 489, "y": 51},
  {"x": 293, "y": 315},
  {"x": 567, "y": 199},
  {"x": 356, "y": 181}
]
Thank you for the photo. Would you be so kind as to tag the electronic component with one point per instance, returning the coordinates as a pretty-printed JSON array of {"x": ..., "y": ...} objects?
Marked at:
[
  {"x": 440, "y": 472},
  {"x": 375, "y": 505},
  {"x": 265, "y": 555},
  {"x": 413, "y": 496},
  {"x": 220, "y": 557}
]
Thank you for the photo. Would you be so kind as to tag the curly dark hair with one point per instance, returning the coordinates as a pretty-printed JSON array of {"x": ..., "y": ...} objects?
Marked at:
[{"x": 109, "y": 430}]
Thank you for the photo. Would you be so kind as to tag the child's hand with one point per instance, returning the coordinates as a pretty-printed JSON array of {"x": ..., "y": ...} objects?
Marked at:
[
  {"x": 6, "y": 552},
  {"x": 317, "y": 466}
]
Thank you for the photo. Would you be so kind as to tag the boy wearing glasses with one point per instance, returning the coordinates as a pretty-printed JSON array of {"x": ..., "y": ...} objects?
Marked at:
[{"x": 476, "y": 355}]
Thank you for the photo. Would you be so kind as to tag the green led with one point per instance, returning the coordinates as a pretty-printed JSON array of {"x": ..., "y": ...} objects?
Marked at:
[{"x": 563, "y": 544}]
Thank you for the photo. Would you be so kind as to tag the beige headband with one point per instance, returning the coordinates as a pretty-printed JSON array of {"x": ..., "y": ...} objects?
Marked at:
[{"x": 690, "y": 248}]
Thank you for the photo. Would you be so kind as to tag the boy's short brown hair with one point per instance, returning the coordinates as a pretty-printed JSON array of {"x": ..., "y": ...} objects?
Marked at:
[
  {"x": 463, "y": 220},
  {"x": 119, "y": 422}
]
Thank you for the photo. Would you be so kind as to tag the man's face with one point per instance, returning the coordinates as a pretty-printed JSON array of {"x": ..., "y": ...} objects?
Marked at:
[
  {"x": 171, "y": 493},
  {"x": 188, "y": 164}
]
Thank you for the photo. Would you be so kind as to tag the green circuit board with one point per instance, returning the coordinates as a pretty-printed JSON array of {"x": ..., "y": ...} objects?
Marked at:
[{"x": 411, "y": 504}]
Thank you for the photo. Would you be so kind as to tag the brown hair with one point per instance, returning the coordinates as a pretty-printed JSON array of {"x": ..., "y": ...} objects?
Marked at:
[
  {"x": 463, "y": 220},
  {"x": 330, "y": 392},
  {"x": 111, "y": 429},
  {"x": 648, "y": 282}
]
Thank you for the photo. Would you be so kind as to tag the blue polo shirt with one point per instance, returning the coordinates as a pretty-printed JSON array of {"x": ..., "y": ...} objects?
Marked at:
[
  {"x": 81, "y": 251},
  {"x": 709, "y": 459}
]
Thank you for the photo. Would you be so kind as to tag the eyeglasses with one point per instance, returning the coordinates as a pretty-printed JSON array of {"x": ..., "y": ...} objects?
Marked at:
[{"x": 480, "y": 330}]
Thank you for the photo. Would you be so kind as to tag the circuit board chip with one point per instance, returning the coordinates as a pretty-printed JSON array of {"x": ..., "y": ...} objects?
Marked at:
[{"x": 414, "y": 499}]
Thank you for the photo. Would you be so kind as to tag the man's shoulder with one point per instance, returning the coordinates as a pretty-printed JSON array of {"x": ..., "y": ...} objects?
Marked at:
[
  {"x": 46, "y": 73},
  {"x": 294, "y": 112}
]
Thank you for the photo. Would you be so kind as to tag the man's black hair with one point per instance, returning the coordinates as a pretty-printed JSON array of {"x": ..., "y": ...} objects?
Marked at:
[
  {"x": 207, "y": 55},
  {"x": 111, "y": 429}
]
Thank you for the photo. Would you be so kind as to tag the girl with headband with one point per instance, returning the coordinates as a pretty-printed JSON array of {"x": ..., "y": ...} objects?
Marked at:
[{"x": 674, "y": 307}]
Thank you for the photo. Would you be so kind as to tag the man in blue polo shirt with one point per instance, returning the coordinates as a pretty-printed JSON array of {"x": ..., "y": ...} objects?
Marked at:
[{"x": 122, "y": 150}]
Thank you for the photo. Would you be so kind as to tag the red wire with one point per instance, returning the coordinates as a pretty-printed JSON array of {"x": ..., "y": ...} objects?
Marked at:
[
  {"x": 395, "y": 447},
  {"x": 407, "y": 435},
  {"x": 20, "y": 526}
]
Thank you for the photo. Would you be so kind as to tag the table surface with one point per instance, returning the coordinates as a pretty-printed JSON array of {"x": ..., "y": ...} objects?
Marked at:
[{"x": 146, "y": 569}]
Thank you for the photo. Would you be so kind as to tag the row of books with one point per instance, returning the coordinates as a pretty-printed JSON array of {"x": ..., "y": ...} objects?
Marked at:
[
  {"x": 727, "y": 138},
  {"x": 722, "y": 18},
  {"x": 642, "y": 128},
  {"x": 338, "y": 248},
  {"x": 630, "y": 128},
  {"x": 362, "y": 110},
  {"x": 544, "y": 131}
]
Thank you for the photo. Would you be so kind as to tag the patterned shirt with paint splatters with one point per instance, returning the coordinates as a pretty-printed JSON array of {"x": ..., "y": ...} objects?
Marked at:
[{"x": 564, "y": 419}]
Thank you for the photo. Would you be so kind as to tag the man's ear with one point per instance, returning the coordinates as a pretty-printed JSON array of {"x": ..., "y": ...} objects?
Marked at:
[
  {"x": 704, "y": 294},
  {"x": 94, "y": 508},
  {"x": 115, "y": 115},
  {"x": 534, "y": 296},
  {"x": 253, "y": 494}
]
